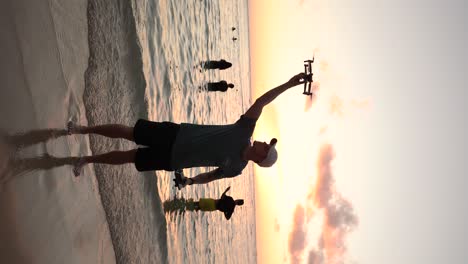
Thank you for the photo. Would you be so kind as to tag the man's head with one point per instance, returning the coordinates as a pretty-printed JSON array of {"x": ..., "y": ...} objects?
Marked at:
[
  {"x": 231, "y": 85},
  {"x": 265, "y": 155},
  {"x": 239, "y": 202}
]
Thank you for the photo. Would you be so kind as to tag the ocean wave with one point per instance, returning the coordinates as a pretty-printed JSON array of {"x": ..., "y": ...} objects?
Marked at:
[{"x": 115, "y": 93}]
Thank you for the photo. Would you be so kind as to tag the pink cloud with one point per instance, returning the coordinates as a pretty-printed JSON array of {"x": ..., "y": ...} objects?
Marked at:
[
  {"x": 297, "y": 237},
  {"x": 315, "y": 257},
  {"x": 339, "y": 217},
  {"x": 310, "y": 100}
]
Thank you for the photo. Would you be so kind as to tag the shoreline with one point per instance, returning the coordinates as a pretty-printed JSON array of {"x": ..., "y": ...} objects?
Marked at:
[
  {"x": 47, "y": 215},
  {"x": 115, "y": 89}
]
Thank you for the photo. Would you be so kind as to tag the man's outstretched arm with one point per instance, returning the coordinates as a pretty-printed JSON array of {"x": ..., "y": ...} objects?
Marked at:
[
  {"x": 206, "y": 177},
  {"x": 255, "y": 110}
]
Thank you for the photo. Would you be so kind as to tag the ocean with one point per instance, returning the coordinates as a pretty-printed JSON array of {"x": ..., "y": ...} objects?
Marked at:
[{"x": 144, "y": 62}]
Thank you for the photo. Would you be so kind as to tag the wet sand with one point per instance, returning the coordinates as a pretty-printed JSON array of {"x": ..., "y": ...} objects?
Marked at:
[{"x": 46, "y": 214}]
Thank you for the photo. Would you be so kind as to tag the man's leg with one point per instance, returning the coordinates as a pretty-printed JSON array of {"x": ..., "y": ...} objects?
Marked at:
[
  {"x": 111, "y": 130},
  {"x": 112, "y": 158}
]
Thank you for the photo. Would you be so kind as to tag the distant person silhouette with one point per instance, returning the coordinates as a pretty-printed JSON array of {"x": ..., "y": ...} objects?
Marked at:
[
  {"x": 233, "y": 28},
  {"x": 221, "y": 64},
  {"x": 225, "y": 204},
  {"x": 234, "y": 39},
  {"x": 221, "y": 86}
]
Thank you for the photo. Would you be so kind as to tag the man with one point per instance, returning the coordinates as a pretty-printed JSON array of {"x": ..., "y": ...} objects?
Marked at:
[
  {"x": 221, "y": 86},
  {"x": 225, "y": 204},
  {"x": 221, "y": 64},
  {"x": 171, "y": 146}
]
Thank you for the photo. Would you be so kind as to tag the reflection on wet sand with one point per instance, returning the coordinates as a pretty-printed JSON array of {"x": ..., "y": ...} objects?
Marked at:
[
  {"x": 28, "y": 138},
  {"x": 13, "y": 164}
]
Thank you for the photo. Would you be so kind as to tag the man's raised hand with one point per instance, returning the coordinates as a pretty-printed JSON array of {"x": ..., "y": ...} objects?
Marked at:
[{"x": 297, "y": 79}]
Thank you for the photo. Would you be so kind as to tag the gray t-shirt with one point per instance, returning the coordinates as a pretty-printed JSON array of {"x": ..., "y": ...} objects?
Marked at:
[{"x": 213, "y": 145}]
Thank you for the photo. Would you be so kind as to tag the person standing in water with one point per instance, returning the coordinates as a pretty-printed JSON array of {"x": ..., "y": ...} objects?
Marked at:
[
  {"x": 213, "y": 64},
  {"x": 221, "y": 86},
  {"x": 225, "y": 204},
  {"x": 170, "y": 146}
]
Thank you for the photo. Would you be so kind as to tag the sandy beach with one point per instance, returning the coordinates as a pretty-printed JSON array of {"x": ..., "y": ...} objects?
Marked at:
[
  {"x": 46, "y": 214},
  {"x": 113, "y": 62}
]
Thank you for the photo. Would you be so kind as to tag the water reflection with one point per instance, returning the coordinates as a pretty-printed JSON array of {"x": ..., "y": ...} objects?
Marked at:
[{"x": 178, "y": 205}]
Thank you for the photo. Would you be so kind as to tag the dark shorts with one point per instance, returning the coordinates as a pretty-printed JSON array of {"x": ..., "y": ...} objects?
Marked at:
[{"x": 158, "y": 137}]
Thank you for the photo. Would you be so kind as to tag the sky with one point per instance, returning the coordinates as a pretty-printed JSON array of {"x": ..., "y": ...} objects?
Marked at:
[{"x": 373, "y": 168}]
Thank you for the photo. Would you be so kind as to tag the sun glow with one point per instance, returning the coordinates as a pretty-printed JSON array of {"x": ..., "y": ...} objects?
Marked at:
[
  {"x": 302, "y": 126},
  {"x": 300, "y": 134}
]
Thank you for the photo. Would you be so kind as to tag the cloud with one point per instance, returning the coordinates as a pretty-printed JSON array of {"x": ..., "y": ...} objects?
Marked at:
[
  {"x": 310, "y": 100},
  {"x": 323, "y": 66},
  {"x": 339, "y": 217},
  {"x": 323, "y": 130},
  {"x": 336, "y": 106},
  {"x": 315, "y": 257},
  {"x": 341, "y": 214},
  {"x": 323, "y": 191},
  {"x": 297, "y": 238}
]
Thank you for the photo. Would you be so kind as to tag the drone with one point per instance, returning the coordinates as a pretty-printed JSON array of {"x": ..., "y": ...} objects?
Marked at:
[{"x": 308, "y": 79}]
